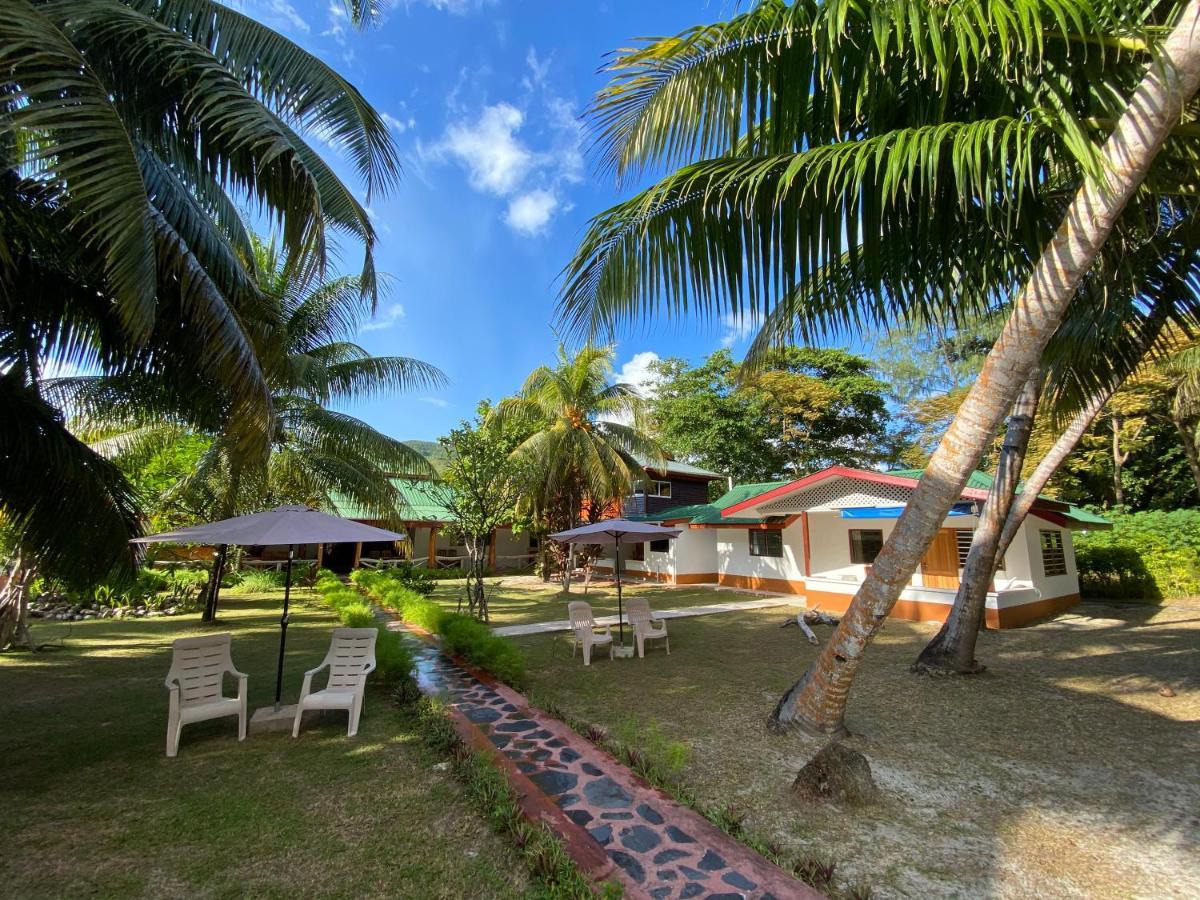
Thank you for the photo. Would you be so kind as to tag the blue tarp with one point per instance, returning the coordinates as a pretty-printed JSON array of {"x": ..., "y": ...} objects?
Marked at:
[{"x": 893, "y": 512}]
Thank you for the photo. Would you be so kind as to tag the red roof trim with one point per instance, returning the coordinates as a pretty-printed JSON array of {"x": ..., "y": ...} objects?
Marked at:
[{"x": 838, "y": 472}]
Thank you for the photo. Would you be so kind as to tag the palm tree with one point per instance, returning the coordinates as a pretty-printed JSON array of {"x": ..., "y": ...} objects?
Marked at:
[
  {"x": 817, "y": 701},
  {"x": 865, "y": 164},
  {"x": 305, "y": 452},
  {"x": 586, "y": 438},
  {"x": 131, "y": 133}
]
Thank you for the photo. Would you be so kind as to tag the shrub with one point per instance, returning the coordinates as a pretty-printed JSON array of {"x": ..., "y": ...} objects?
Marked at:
[
  {"x": 1145, "y": 556},
  {"x": 474, "y": 642},
  {"x": 255, "y": 580},
  {"x": 153, "y": 580},
  {"x": 461, "y": 635},
  {"x": 393, "y": 660}
]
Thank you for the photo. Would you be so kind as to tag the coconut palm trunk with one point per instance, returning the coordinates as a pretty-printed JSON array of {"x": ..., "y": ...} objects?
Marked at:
[
  {"x": 952, "y": 651},
  {"x": 817, "y": 702},
  {"x": 1021, "y": 504}
]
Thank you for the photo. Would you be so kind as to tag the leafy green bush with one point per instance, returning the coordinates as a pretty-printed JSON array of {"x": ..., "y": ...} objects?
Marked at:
[
  {"x": 474, "y": 642},
  {"x": 393, "y": 659},
  {"x": 461, "y": 635},
  {"x": 1145, "y": 556},
  {"x": 153, "y": 580},
  {"x": 256, "y": 580}
]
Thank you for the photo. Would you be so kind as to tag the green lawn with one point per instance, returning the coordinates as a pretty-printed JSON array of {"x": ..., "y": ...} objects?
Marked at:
[
  {"x": 1062, "y": 771},
  {"x": 524, "y": 599},
  {"x": 93, "y": 807}
]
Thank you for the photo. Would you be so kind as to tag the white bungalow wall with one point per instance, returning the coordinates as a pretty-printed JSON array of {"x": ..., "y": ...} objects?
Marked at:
[{"x": 691, "y": 555}]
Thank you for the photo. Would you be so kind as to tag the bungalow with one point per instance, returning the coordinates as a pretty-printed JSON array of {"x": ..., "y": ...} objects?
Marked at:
[
  {"x": 429, "y": 541},
  {"x": 817, "y": 536}
]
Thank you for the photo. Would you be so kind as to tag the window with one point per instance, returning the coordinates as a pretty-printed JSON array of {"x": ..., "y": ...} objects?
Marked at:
[
  {"x": 964, "y": 537},
  {"x": 660, "y": 489},
  {"x": 766, "y": 543},
  {"x": 1054, "y": 554},
  {"x": 865, "y": 544},
  {"x": 663, "y": 546}
]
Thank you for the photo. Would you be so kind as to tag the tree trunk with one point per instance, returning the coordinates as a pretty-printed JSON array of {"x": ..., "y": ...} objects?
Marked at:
[
  {"x": 1063, "y": 447},
  {"x": 817, "y": 702},
  {"x": 14, "y": 609},
  {"x": 1118, "y": 460},
  {"x": 952, "y": 651},
  {"x": 1187, "y": 437},
  {"x": 214, "y": 585}
]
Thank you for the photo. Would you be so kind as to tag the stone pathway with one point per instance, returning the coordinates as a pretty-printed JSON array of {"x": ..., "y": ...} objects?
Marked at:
[
  {"x": 659, "y": 849},
  {"x": 682, "y": 612}
]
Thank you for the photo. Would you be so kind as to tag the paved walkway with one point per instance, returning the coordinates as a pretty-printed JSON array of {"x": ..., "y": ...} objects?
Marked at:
[
  {"x": 655, "y": 846},
  {"x": 682, "y": 612}
]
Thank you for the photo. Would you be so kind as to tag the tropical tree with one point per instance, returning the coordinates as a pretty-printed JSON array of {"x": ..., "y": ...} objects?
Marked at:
[
  {"x": 487, "y": 485},
  {"x": 902, "y": 161},
  {"x": 817, "y": 701},
  {"x": 131, "y": 132},
  {"x": 804, "y": 409},
  {"x": 304, "y": 452},
  {"x": 587, "y": 443}
]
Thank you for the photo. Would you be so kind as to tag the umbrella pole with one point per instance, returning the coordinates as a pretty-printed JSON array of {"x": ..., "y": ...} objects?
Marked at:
[
  {"x": 283, "y": 624},
  {"x": 620, "y": 608}
]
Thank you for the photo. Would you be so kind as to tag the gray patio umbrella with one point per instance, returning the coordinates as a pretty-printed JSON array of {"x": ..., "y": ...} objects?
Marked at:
[
  {"x": 616, "y": 532},
  {"x": 284, "y": 525}
]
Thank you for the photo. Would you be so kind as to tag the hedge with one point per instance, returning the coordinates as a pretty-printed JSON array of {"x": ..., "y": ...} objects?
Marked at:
[
  {"x": 461, "y": 635},
  {"x": 1152, "y": 555},
  {"x": 393, "y": 659}
]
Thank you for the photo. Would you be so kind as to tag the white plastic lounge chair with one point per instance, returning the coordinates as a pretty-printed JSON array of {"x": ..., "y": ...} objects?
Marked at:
[
  {"x": 196, "y": 682},
  {"x": 646, "y": 627},
  {"x": 587, "y": 632},
  {"x": 351, "y": 658}
]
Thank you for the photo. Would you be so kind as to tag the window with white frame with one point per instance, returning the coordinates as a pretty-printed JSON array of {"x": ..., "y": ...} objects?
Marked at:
[
  {"x": 654, "y": 489},
  {"x": 865, "y": 545},
  {"x": 1054, "y": 553}
]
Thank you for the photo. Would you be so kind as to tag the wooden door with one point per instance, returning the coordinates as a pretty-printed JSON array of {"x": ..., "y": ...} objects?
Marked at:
[{"x": 939, "y": 568}]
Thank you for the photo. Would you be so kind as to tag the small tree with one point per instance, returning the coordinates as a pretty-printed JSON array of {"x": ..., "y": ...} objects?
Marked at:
[{"x": 486, "y": 483}]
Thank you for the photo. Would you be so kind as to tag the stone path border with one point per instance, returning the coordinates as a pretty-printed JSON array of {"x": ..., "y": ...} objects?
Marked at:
[
  {"x": 613, "y": 823},
  {"x": 682, "y": 612}
]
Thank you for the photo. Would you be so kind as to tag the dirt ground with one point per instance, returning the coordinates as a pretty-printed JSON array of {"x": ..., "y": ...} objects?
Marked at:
[{"x": 1063, "y": 771}]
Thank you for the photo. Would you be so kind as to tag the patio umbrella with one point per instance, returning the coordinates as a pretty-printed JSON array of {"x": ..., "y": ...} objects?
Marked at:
[
  {"x": 282, "y": 526},
  {"x": 616, "y": 532}
]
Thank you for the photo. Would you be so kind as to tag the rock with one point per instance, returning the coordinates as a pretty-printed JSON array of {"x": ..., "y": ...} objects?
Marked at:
[
  {"x": 837, "y": 773},
  {"x": 1166, "y": 692}
]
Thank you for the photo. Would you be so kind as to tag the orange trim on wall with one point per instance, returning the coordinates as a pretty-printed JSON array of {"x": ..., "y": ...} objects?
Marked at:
[
  {"x": 665, "y": 578},
  {"x": 754, "y": 583},
  {"x": 921, "y": 611},
  {"x": 1014, "y": 616}
]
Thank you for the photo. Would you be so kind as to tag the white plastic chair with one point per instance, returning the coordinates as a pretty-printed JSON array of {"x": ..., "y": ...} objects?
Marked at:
[
  {"x": 196, "y": 683},
  {"x": 587, "y": 632},
  {"x": 351, "y": 658},
  {"x": 646, "y": 627}
]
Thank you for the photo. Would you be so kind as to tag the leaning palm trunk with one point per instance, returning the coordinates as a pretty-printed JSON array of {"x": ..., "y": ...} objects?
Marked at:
[
  {"x": 14, "y": 609},
  {"x": 817, "y": 702},
  {"x": 952, "y": 651}
]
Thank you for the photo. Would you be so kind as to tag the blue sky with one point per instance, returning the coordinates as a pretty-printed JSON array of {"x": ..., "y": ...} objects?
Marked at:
[{"x": 483, "y": 98}]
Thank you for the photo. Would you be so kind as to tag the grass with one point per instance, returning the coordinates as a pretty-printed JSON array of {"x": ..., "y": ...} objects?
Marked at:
[
  {"x": 525, "y": 599},
  {"x": 93, "y": 807},
  {"x": 1061, "y": 772}
]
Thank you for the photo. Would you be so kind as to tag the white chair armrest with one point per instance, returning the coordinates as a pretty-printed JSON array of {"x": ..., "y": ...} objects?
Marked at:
[
  {"x": 172, "y": 683},
  {"x": 370, "y": 667},
  {"x": 306, "y": 688}
]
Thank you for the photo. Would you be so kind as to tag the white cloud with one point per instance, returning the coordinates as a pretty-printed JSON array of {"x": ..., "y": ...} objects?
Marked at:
[
  {"x": 338, "y": 21},
  {"x": 397, "y": 125},
  {"x": 638, "y": 372},
  {"x": 458, "y": 7},
  {"x": 435, "y": 401},
  {"x": 278, "y": 14},
  {"x": 489, "y": 150},
  {"x": 739, "y": 328},
  {"x": 529, "y": 213},
  {"x": 385, "y": 318}
]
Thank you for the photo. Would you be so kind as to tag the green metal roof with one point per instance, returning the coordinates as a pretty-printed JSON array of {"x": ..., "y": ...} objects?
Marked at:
[
  {"x": 980, "y": 481},
  {"x": 1077, "y": 516},
  {"x": 710, "y": 513},
  {"x": 422, "y": 501}
]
